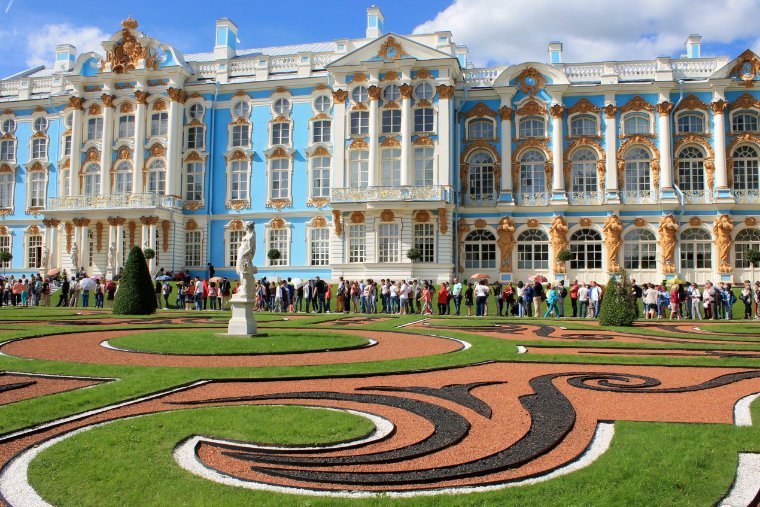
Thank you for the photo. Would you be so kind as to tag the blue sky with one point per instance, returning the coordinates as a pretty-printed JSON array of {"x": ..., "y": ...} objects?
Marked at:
[{"x": 496, "y": 31}]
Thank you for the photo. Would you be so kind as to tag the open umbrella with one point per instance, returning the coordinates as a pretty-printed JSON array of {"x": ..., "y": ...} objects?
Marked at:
[
  {"x": 54, "y": 272},
  {"x": 215, "y": 279},
  {"x": 98, "y": 277},
  {"x": 674, "y": 281},
  {"x": 298, "y": 282},
  {"x": 537, "y": 278},
  {"x": 163, "y": 278},
  {"x": 87, "y": 284},
  {"x": 479, "y": 276}
]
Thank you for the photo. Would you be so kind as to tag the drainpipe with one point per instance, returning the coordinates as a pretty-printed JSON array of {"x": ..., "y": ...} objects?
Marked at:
[
  {"x": 674, "y": 168},
  {"x": 211, "y": 174}
]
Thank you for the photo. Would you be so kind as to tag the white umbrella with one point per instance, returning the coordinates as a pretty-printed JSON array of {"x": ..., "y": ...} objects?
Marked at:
[
  {"x": 87, "y": 284},
  {"x": 298, "y": 283}
]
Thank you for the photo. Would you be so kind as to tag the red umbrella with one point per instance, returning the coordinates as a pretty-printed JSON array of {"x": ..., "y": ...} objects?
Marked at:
[
  {"x": 538, "y": 278},
  {"x": 478, "y": 276},
  {"x": 53, "y": 272}
]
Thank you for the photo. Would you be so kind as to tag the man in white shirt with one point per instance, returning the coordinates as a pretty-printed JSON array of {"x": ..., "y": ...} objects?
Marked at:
[
  {"x": 456, "y": 292},
  {"x": 595, "y": 295},
  {"x": 583, "y": 300},
  {"x": 198, "y": 294},
  {"x": 403, "y": 297}
]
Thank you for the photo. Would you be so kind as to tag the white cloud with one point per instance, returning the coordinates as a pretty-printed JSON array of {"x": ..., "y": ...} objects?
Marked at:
[
  {"x": 41, "y": 43},
  {"x": 514, "y": 31}
]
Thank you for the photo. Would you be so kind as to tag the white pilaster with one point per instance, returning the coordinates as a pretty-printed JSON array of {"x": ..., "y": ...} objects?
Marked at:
[
  {"x": 106, "y": 152},
  {"x": 139, "y": 155},
  {"x": 338, "y": 173},
  {"x": 558, "y": 140},
  {"x": 76, "y": 150},
  {"x": 406, "y": 134},
  {"x": 610, "y": 151},
  {"x": 721, "y": 173},
  {"x": 374, "y": 96},
  {"x": 666, "y": 165},
  {"x": 445, "y": 96},
  {"x": 505, "y": 113},
  {"x": 174, "y": 142}
]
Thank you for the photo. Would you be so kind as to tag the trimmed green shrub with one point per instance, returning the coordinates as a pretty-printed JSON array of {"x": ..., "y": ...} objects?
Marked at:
[
  {"x": 149, "y": 253},
  {"x": 619, "y": 303},
  {"x": 753, "y": 257},
  {"x": 136, "y": 294},
  {"x": 413, "y": 254},
  {"x": 273, "y": 254},
  {"x": 5, "y": 257},
  {"x": 564, "y": 255}
]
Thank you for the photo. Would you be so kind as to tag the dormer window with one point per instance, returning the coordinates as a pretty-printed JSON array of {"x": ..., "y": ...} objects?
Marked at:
[
  {"x": 744, "y": 121},
  {"x": 532, "y": 127},
  {"x": 241, "y": 109},
  {"x": 691, "y": 122},
  {"x": 637, "y": 124},
  {"x": 40, "y": 124},
  {"x": 9, "y": 126},
  {"x": 281, "y": 106},
  {"x": 480, "y": 129},
  {"x": 359, "y": 94},
  {"x": 583, "y": 126}
]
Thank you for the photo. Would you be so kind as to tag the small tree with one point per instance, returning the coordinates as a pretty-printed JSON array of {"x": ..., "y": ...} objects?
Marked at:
[
  {"x": 413, "y": 254},
  {"x": 753, "y": 257},
  {"x": 619, "y": 303},
  {"x": 136, "y": 294},
  {"x": 149, "y": 253},
  {"x": 564, "y": 255},
  {"x": 5, "y": 257},
  {"x": 273, "y": 254}
]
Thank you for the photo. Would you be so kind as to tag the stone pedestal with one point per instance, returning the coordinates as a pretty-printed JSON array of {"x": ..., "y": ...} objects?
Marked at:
[{"x": 242, "y": 323}]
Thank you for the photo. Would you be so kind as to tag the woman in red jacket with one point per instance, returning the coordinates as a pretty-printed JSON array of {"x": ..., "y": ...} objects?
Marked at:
[{"x": 443, "y": 299}]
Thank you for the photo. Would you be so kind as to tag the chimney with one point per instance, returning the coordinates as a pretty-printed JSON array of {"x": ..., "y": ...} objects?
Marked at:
[
  {"x": 375, "y": 21},
  {"x": 226, "y": 39},
  {"x": 693, "y": 46},
  {"x": 65, "y": 55},
  {"x": 555, "y": 52}
]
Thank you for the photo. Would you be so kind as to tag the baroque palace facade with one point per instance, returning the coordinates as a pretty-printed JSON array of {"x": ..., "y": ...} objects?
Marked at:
[{"x": 349, "y": 153}]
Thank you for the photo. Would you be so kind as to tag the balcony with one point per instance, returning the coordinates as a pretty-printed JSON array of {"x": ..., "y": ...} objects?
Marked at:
[
  {"x": 481, "y": 199},
  {"x": 585, "y": 197},
  {"x": 746, "y": 196},
  {"x": 534, "y": 198},
  {"x": 637, "y": 197},
  {"x": 85, "y": 202},
  {"x": 398, "y": 193},
  {"x": 696, "y": 197}
]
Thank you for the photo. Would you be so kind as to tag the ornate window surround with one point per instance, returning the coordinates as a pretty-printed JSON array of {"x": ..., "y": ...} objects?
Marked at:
[
  {"x": 745, "y": 102},
  {"x": 479, "y": 112},
  {"x": 194, "y": 156},
  {"x": 319, "y": 150},
  {"x": 9, "y": 169},
  {"x": 123, "y": 106},
  {"x": 157, "y": 104},
  {"x": 316, "y": 93},
  {"x": 233, "y": 225},
  {"x": 92, "y": 109},
  {"x": 277, "y": 223},
  {"x": 317, "y": 223},
  {"x": 636, "y": 105},
  {"x": 29, "y": 232},
  {"x": 279, "y": 153},
  {"x": 237, "y": 204},
  {"x": 531, "y": 107},
  {"x": 123, "y": 154},
  {"x": 39, "y": 112},
  {"x": 36, "y": 167},
  {"x": 584, "y": 107}
]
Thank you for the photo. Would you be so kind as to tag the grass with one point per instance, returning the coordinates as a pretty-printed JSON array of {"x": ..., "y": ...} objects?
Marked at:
[{"x": 207, "y": 342}]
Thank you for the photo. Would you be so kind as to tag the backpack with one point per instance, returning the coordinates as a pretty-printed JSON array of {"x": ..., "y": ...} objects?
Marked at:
[
  {"x": 563, "y": 292},
  {"x": 169, "y": 291}
]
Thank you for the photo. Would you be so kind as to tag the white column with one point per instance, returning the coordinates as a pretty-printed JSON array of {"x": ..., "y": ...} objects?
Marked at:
[
  {"x": 445, "y": 94},
  {"x": 558, "y": 140},
  {"x": 119, "y": 246},
  {"x": 106, "y": 152},
  {"x": 406, "y": 135},
  {"x": 139, "y": 155},
  {"x": 338, "y": 174},
  {"x": 111, "y": 241},
  {"x": 666, "y": 166},
  {"x": 610, "y": 153},
  {"x": 75, "y": 164},
  {"x": 721, "y": 173},
  {"x": 374, "y": 96},
  {"x": 152, "y": 245},
  {"x": 505, "y": 113},
  {"x": 52, "y": 259},
  {"x": 84, "y": 246},
  {"x": 174, "y": 142}
]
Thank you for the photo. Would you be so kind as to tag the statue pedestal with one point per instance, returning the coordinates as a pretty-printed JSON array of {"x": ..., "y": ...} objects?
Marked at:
[{"x": 242, "y": 323}]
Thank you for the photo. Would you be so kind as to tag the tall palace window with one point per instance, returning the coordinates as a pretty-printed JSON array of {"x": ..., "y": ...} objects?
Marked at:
[
  {"x": 746, "y": 170},
  {"x": 481, "y": 176},
  {"x": 357, "y": 246},
  {"x": 584, "y": 172},
  {"x": 746, "y": 239},
  {"x": 586, "y": 247},
  {"x": 640, "y": 250},
  {"x": 696, "y": 249},
  {"x": 691, "y": 173},
  {"x": 480, "y": 250},
  {"x": 388, "y": 238},
  {"x": 533, "y": 250},
  {"x": 424, "y": 241}
]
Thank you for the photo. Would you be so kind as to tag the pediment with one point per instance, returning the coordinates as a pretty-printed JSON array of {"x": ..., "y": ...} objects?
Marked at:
[
  {"x": 744, "y": 68},
  {"x": 389, "y": 48}
]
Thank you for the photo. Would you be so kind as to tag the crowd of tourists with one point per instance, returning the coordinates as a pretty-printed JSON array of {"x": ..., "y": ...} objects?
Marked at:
[{"x": 36, "y": 290}]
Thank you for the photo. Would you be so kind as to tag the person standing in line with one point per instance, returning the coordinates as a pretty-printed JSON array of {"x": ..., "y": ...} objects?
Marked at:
[
  {"x": 443, "y": 296},
  {"x": 520, "y": 294},
  {"x": 468, "y": 298},
  {"x": 308, "y": 291},
  {"x": 427, "y": 299},
  {"x": 595, "y": 296},
  {"x": 561, "y": 291},
  {"x": 224, "y": 290},
  {"x": 574, "y": 297},
  {"x": 321, "y": 289},
  {"x": 497, "y": 293},
  {"x": 64, "y": 297},
  {"x": 729, "y": 298},
  {"x": 538, "y": 296},
  {"x": 746, "y": 298},
  {"x": 650, "y": 301},
  {"x": 481, "y": 299},
  {"x": 552, "y": 299},
  {"x": 710, "y": 295},
  {"x": 213, "y": 294},
  {"x": 675, "y": 302},
  {"x": 456, "y": 292},
  {"x": 583, "y": 299},
  {"x": 338, "y": 298},
  {"x": 198, "y": 294},
  {"x": 73, "y": 292},
  {"x": 403, "y": 297}
]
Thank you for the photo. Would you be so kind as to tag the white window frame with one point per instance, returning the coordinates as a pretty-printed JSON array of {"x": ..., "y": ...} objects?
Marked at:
[
  {"x": 424, "y": 238},
  {"x": 11, "y": 151},
  {"x": 232, "y": 136},
  {"x": 433, "y": 159},
  {"x": 232, "y": 244},
  {"x": 157, "y": 171},
  {"x": 630, "y": 114},
  {"x": 12, "y": 192},
  {"x": 97, "y": 128},
  {"x": 388, "y": 241},
  {"x": 390, "y": 166},
  {"x": 689, "y": 112},
  {"x": 30, "y": 190},
  {"x": 96, "y": 178},
  {"x": 361, "y": 178},
  {"x": 6, "y": 248},
  {"x": 286, "y": 171},
  {"x": 127, "y": 124},
  {"x": 128, "y": 177},
  {"x": 199, "y": 138},
  {"x": 320, "y": 133},
  {"x": 38, "y": 148},
  {"x": 362, "y": 127},
  {"x": 324, "y": 189},
  {"x": 583, "y": 116},
  {"x": 28, "y": 250},
  {"x": 159, "y": 120},
  {"x": 356, "y": 243},
  {"x": 285, "y": 241},
  {"x": 201, "y": 175},
  {"x": 470, "y": 122},
  {"x": 233, "y": 167},
  {"x": 423, "y": 110},
  {"x": 318, "y": 254},
  {"x": 197, "y": 248},
  {"x": 277, "y": 138}
]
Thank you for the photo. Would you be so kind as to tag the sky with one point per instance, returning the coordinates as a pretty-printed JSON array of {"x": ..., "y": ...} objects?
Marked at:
[{"x": 497, "y": 32}]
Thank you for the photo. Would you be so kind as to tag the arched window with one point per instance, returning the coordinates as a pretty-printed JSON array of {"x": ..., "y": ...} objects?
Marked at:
[
  {"x": 156, "y": 183},
  {"x": 744, "y": 121},
  {"x": 583, "y": 126},
  {"x": 480, "y": 250},
  {"x": 691, "y": 122},
  {"x": 637, "y": 178},
  {"x": 586, "y": 247},
  {"x": 480, "y": 129},
  {"x": 746, "y": 239},
  {"x": 91, "y": 179},
  {"x": 481, "y": 176},
  {"x": 637, "y": 124},
  {"x": 532, "y": 175},
  {"x": 640, "y": 250},
  {"x": 696, "y": 249},
  {"x": 746, "y": 171},
  {"x": 584, "y": 179},
  {"x": 533, "y": 250},
  {"x": 532, "y": 127},
  {"x": 122, "y": 183},
  {"x": 691, "y": 173}
]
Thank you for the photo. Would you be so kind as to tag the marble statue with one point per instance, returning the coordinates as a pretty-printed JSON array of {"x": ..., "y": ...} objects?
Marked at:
[
  {"x": 112, "y": 256},
  {"x": 45, "y": 257},
  {"x": 74, "y": 255},
  {"x": 245, "y": 268}
]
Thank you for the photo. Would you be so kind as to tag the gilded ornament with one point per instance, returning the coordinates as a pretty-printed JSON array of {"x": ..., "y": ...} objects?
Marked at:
[
  {"x": 358, "y": 144},
  {"x": 583, "y": 106},
  {"x": 142, "y": 96},
  {"x": 94, "y": 110},
  {"x": 390, "y": 76},
  {"x": 480, "y": 223},
  {"x": 477, "y": 145},
  {"x": 548, "y": 169},
  {"x": 480, "y": 110},
  {"x": 747, "y": 68},
  {"x": 69, "y": 228},
  {"x": 391, "y": 50},
  {"x": 742, "y": 138},
  {"x": 277, "y": 223},
  {"x": 126, "y": 107},
  {"x": 3, "y": 230},
  {"x": 191, "y": 225},
  {"x": 132, "y": 232},
  {"x": 357, "y": 217},
  {"x": 695, "y": 221},
  {"x": 318, "y": 202},
  {"x": 445, "y": 91},
  {"x": 530, "y": 81},
  {"x": 359, "y": 107},
  {"x": 75, "y": 103},
  {"x": 406, "y": 91},
  {"x": 637, "y": 139},
  {"x": 319, "y": 221},
  {"x": 703, "y": 141},
  {"x": 337, "y": 222},
  {"x": 557, "y": 110},
  {"x": 391, "y": 105},
  {"x": 639, "y": 222},
  {"x": 236, "y": 225},
  {"x": 33, "y": 229},
  {"x": 359, "y": 77},
  {"x": 126, "y": 53},
  {"x": 157, "y": 150},
  {"x": 387, "y": 215},
  {"x": 750, "y": 221},
  {"x": 610, "y": 110},
  {"x": 279, "y": 91},
  {"x": 723, "y": 242},
  {"x": 601, "y": 170},
  {"x": 692, "y": 102},
  {"x": 93, "y": 155},
  {"x": 531, "y": 142},
  {"x": 710, "y": 171},
  {"x": 107, "y": 100},
  {"x": 194, "y": 156},
  {"x": 585, "y": 222},
  {"x": 505, "y": 113},
  {"x": 613, "y": 229},
  {"x": 668, "y": 229},
  {"x": 320, "y": 151},
  {"x": 99, "y": 236},
  {"x": 278, "y": 204},
  {"x": 158, "y": 105},
  {"x": 177, "y": 95},
  {"x": 157, "y": 82},
  {"x": 745, "y": 101},
  {"x": 654, "y": 166},
  {"x": 423, "y": 141},
  {"x": 664, "y": 108},
  {"x": 236, "y": 205},
  {"x": 719, "y": 106},
  {"x": 278, "y": 153},
  {"x": 443, "y": 226},
  {"x": 390, "y": 141},
  {"x": 149, "y": 220},
  {"x": 422, "y": 217},
  {"x": 422, "y": 74},
  {"x": 558, "y": 241},
  {"x": 637, "y": 103},
  {"x": 532, "y": 223},
  {"x": 165, "y": 228},
  {"x": 192, "y": 206},
  {"x": 116, "y": 221},
  {"x": 237, "y": 155},
  {"x": 123, "y": 86},
  {"x": 506, "y": 242},
  {"x": 374, "y": 92}
]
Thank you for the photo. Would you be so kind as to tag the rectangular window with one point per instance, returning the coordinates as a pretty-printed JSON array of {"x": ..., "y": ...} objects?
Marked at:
[
  {"x": 281, "y": 133},
  {"x": 388, "y": 243},
  {"x": 391, "y": 121},
  {"x": 234, "y": 244},
  {"x": 94, "y": 128},
  {"x": 91, "y": 249},
  {"x": 196, "y": 137},
  {"x": 6, "y": 190},
  {"x": 159, "y": 124},
  {"x": 8, "y": 150},
  {"x": 357, "y": 243},
  {"x": 34, "y": 251},
  {"x": 320, "y": 177},
  {"x": 424, "y": 241},
  {"x": 391, "y": 167},
  {"x": 423, "y": 119},
  {"x": 37, "y": 190},
  {"x": 193, "y": 248},
  {"x": 66, "y": 145},
  {"x": 423, "y": 166},
  {"x": 126, "y": 126},
  {"x": 320, "y": 247},
  {"x": 280, "y": 178},
  {"x": 239, "y": 180},
  {"x": 194, "y": 181},
  {"x": 358, "y": 168},
  {"x": 240, "y": 136},
  {"x": 39, "y": 148},
  {"x": 65, "y": 182},
  {"x": 5, "y": 246},
  {"x": 278, "y": 240},
  {"x": 359, "y": 123},
  {"x": 321, "y": 131}
]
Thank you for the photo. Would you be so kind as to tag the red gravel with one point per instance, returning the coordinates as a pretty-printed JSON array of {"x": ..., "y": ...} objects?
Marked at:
[{"x": 41, "y": 387}]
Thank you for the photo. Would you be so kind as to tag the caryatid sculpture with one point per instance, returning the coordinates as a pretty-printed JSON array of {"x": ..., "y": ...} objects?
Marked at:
[
  {"x": 45, "y": 257},
  {"x": 723, "y": 242},
  {"x": 112, "y": 256},
  {"x": 74, "y": 255},
  {"x": 245, "y": 268},
  {"x": 558, "y": 234},
  {"x": 668, "y": 230},
  {"x": 613, "y": 230},
  {"x": 506, "y": 243}
]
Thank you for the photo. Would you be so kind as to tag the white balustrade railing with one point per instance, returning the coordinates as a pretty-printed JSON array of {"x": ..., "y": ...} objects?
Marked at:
[
  {"x": 696, "y": 197},
  {"x": 637, "y": 197},
  {"x": 746, "y": 196},
  {"x": 243, "y": 67},
  {"x": 533, "y": 198},
  {"x": 696, "y": 67},
  {"x": 481, "y": 199},
  {"x": 635, "y": 71},
  {"x": 284, "y": 64},
  {"x": 320, "y": 60},
  {"x": 482, "y": 77},
  {"x": 583, "y": 73},
  {"x": 585, "y": 197},
  {"x": 41, "y": 85},
  {"x": 114, "y": 201},
  {"x": 397, "y": 193}
]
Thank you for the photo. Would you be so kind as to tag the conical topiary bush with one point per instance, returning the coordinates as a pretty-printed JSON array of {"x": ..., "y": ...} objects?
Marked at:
[
  {"x": 136, "y": 294},
  {"x": 618, "y": 304}
]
